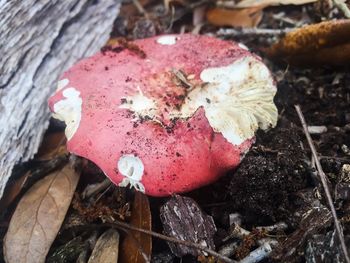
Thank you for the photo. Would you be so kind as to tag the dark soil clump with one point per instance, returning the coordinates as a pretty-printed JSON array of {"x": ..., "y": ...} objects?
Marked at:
[{"x": 275, "y": 168}]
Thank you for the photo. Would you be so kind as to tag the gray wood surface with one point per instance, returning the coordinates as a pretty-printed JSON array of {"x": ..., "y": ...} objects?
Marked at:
[{"x": 38, "y": 40}]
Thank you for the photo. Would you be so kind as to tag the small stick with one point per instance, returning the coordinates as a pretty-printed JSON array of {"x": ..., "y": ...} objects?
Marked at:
[
  {"x": 140, "y": 8},
  {"x": 276, "y": 227},
  {"x": 341, "y": 5},
  {"x": 323, "y": 179},
  {"x": 344, "y": 159},
  {"x": 259, "y": 254},
  {"x": 121, "y": 225},
  {"x": 90, "y": 190},
  {"x": 253, "y": 31}
]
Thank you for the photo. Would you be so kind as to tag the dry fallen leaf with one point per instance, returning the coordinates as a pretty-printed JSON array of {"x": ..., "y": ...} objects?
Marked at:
[
  {"x": 248, "y": 17},
  {"x": 135, "y": 242},
  {"x": 53, "y": 144},
  {"x": 13, "y": 190},
  {"x": 38, "y": 217},
  {"x": 326, "y": 43},
  {"x": 17, "y": 186},
  {"x": 106, "y": 248},
  {"x": 265, "y": 3}
]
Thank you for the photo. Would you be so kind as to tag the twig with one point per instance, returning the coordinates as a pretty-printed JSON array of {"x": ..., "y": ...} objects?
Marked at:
[
  {"x": 140, "y": 8},
  {"x": 121, "y": 225},
  {"x": 341, "y": 5},
  {"x": 103, "y": 193},
  {"x": 280, "y": 226},
  {"x": 260, "y": 253},
  {"x": 323, "y": 179},
  {"x": 172, "y": 20},
  {"x": 91, "y": 190},
  {"x": 181, "y": 77},
  {"x": 342, "y": 159},
  {"x": 252, "y": 31}
]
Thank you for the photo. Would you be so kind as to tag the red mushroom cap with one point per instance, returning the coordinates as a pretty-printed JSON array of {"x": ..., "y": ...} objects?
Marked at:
[{"x": 166, "y": 114}]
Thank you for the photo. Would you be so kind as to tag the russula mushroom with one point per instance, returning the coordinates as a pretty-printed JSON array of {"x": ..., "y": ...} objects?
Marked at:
[{"x": 166, "y": 114}]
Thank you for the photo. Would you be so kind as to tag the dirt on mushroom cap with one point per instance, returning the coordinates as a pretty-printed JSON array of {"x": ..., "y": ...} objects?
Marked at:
[{"x": 133, "y": 105}]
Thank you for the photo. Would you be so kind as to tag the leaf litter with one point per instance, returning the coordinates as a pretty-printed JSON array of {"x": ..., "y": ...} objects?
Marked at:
[
  {"x": 325, "y": 43},
  {"x": 137, "y": 247},
  {"x": 38, "y": 217}
]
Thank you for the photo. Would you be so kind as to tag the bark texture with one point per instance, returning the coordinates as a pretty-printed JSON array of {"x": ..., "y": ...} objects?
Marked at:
[{"x": 39, "y": 40}]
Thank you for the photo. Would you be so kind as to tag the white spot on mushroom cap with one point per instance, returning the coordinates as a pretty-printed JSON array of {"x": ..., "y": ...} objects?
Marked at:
[
  {"x": 132, "y": 168},
  {"x": 167, "y": 40},
  {"x": 241, "y": 45},
  {"x": 69, "y": 111},
  {"x": 237, "y": 99},
  {"x": 61, "y": 84},
  {"x": 141, "y": 105}
]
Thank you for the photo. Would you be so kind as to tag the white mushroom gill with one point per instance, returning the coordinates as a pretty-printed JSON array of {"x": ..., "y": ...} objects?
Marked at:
[
  {"x": 132, "y": 168},
  {"x": 237, "y": 99},
  {"x": 69, "y": 110},
  {"x": 167, "y": 40}
]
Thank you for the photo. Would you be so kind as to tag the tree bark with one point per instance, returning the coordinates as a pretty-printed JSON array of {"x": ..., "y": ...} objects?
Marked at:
[{"x": 39, "y": 40}]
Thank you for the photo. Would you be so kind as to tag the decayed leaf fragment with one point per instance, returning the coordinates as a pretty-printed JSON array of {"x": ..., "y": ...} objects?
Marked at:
[
  {"x": 136, "y": 243},
  {"x": 38, "y": 217},
  {"x": 248, "y": 17},
  {"x": 256, "y": 3},
  {"x": 326, "y": 43},
  {"x": 106, "y": 248},
  {"x": 183, "y": 219}
]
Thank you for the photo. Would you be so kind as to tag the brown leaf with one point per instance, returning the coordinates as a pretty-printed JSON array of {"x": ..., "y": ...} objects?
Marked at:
[
  {"x": 53, "y": 144},
  {"x": 106, "y": 248},
  {"x": 19, "y": 185},
  {"x": 38, "y": 217},
  {"x": 257, "y": 3},
  {"x": 326, "y": 43},
  {"x": 248, "y": 17},
  {"x": 135, "y": 242}
]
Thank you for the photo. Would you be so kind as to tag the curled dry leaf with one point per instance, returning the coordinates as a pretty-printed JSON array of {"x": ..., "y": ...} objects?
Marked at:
[
  {"x": 265, "y": 3},
  {"x": 106, "y": 248},
  {"x": 326, "y": 43},
  {"x": 248, "y": 17},
  {"x": 136, "y": 245},
  {"x": 38, "y": 217},
  {"x": 22, "y": 183}
]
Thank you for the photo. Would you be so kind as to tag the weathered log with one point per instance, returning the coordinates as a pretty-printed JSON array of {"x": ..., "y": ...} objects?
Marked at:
[{"x": 39, "y": 40}]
